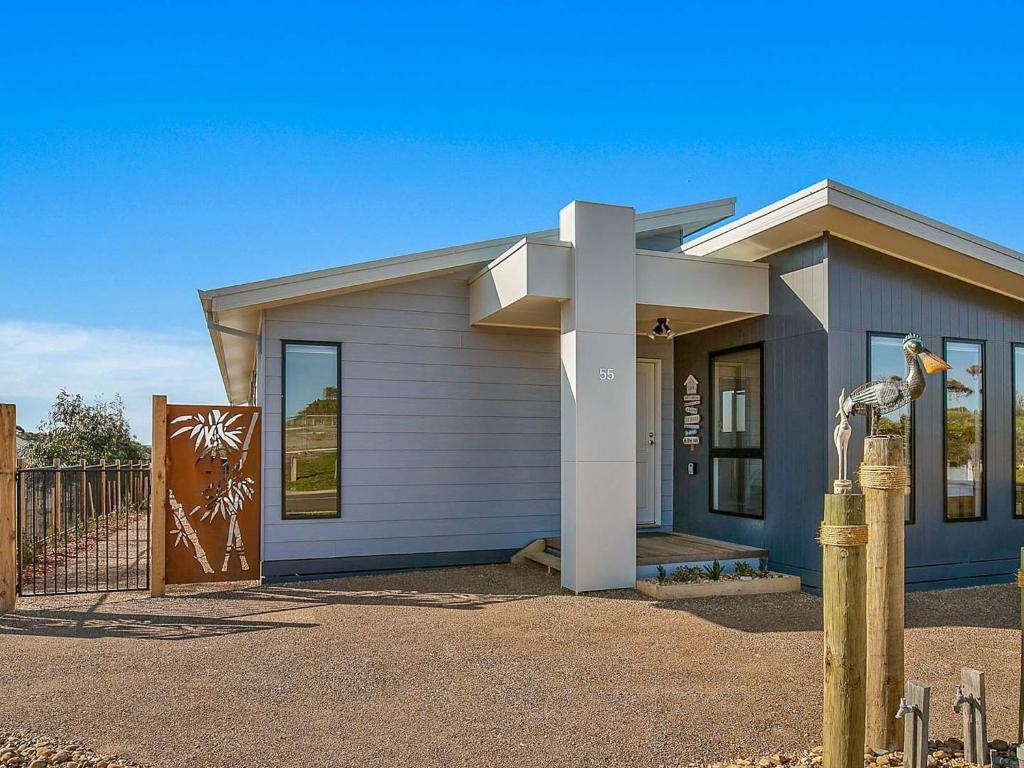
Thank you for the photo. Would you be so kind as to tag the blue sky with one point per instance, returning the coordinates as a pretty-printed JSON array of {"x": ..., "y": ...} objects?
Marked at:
[{"x": 147, "y": 150}]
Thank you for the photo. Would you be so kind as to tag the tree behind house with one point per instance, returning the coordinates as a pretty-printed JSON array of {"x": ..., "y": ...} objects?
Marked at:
[{"x": 76, "y": 430}]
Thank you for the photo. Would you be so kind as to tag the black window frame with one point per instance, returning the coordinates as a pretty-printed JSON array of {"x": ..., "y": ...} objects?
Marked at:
[
  {"x": 735, "y": 453},
  {"x": 984, "y": 434},
  {"x": 285, "y": 343},
  {"x": 1014, "y": 456},
  {"x": 913, "y": 424}
]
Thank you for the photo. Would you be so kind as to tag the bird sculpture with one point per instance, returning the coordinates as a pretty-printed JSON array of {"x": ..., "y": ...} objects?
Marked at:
[
  {"x": 877, "y": 398},
  {"x": 841, "y": 438}
]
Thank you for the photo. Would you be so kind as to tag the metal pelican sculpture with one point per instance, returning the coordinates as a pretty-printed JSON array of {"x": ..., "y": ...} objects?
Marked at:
[{"x": 876, "y": 398}]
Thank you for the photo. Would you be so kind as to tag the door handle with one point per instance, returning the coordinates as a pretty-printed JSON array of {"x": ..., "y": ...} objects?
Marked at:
[{"x": 650, "y": 442}]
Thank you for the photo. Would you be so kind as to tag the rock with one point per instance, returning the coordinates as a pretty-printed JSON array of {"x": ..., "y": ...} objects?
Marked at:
[
  {"x": 817, "y": 750},
  {"x": 999, "y": 744},
  {"x": 938, "y": 754},
  {"x": 954, "y": 744},
  {"x": 882, "y": 760}
]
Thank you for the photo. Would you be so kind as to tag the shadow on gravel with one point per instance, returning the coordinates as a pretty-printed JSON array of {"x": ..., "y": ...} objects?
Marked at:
[
  {"x": 276, "y": 598},
  {"x": 138, "y": 626},
  {"x": 991, "y": 607}
]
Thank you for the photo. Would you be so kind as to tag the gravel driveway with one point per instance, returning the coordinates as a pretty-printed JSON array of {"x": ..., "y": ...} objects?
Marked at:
[{"x": 472, "y": 666}]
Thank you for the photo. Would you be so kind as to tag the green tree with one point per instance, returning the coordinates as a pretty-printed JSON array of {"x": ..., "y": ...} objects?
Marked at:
[{"x": 76, "y": 430}]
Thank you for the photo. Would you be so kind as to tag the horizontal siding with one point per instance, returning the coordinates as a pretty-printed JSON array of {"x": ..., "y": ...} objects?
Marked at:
[{"x": 450, "y": 434}]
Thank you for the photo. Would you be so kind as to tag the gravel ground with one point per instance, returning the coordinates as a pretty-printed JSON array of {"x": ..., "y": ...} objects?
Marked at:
[{"x": 470, "y": 666}]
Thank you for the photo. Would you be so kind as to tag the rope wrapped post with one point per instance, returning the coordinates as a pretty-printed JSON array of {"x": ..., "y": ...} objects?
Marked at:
[
  {"x": 843, "y": 537},
  {"x": 883, "y": 477},
  {"x": 1020, "y": 709}
]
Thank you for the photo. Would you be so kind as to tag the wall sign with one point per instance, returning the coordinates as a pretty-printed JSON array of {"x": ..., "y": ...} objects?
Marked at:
[{"x": 691, "y": 413}]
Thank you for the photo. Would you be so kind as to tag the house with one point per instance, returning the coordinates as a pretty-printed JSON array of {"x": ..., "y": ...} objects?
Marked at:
[{"x": 629, "y": 384}]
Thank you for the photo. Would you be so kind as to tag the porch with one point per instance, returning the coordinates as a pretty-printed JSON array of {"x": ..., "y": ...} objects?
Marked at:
[{"x": 668, "y": 549}]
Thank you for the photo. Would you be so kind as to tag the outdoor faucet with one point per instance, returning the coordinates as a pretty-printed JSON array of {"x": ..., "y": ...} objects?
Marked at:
[
  {"x": 960, "y": 699},
  {"x": 905, "y": 709}
]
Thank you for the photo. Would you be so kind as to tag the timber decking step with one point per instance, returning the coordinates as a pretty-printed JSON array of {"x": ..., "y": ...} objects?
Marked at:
[{"x": 545, "y": 558}]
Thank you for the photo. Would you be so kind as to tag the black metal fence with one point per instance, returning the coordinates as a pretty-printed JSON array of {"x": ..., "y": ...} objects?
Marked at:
[{"x": 83, "y": 528}]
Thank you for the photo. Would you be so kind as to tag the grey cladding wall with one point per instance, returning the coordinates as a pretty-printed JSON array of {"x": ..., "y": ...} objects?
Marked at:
[
  {"x": 795, "y": 418},
  {"x": 874, "y": 292}
]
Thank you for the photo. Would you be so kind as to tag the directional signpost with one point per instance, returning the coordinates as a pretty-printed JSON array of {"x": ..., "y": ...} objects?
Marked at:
[{"x": 691, "y": 413}]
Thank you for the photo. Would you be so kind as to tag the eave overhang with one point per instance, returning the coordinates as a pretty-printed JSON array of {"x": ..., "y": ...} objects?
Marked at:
[
  {"x": 240, "y": 307},
  {"x": 869, "y": 221}
]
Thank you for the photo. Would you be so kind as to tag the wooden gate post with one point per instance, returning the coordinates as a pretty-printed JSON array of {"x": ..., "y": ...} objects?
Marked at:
[
  {"x": 843, "y": 537},
  {"x": 8, "y": 509},
  {"x": 158, "y": 499},
  {"x": 883, "y": 476}
]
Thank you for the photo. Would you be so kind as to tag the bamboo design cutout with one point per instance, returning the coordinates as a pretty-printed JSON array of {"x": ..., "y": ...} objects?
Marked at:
[
  {"x": 227, "y": 496},
  {"x": 184, "y": 532}
]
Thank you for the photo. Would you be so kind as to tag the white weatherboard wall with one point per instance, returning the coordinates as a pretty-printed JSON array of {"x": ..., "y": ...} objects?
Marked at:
[
  {"x": 450, "y": 434},
  {"x": 598, "y": 399}
]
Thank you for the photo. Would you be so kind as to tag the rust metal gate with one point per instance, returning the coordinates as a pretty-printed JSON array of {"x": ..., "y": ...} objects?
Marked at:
[
  {"x": 206, "y": 492},
  {"x": 82, "y": 528}
]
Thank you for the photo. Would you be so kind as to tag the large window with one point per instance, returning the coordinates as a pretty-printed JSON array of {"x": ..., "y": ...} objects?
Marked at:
[
  {"x": 1018, "y": 430},
  {"x": 310, "y": 430},
  {"x": 886, "y": 361},
  {"x": 964, "y": 426},
  {"x": 737, "y": 461}
]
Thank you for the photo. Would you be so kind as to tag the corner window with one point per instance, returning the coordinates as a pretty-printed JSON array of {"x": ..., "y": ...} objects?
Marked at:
[
  {"x": 1018, "y": 430},
  {"x": 310, "y": 430},
  {"x": 737, "y": 461},
  {"x": 886, "y": 361},
  {"x": 964, "y": 429}
]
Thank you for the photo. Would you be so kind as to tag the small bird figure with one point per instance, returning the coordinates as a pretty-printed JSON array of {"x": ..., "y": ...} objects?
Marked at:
[
  {"x": 877, "y": 398},
  {"x": 841, "y": 438}
]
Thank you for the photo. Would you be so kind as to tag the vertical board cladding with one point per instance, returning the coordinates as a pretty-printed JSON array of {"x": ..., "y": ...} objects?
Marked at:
[
  {"x": 450, "y": 433},
  {"x": 796, "y": 416},
  {"x": 874, "y": 292}
]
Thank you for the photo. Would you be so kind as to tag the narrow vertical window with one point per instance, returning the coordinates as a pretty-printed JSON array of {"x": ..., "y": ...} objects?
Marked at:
[
  {"x": 310, "y": 430},
  {"x": 1018, "y": 430},
  {"x": 964, "y": 439},
  {"x": 886, "y": 361},
  {"x": 737, "y": 476}
]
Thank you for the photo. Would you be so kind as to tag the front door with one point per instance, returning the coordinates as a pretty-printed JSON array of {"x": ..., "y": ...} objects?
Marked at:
[{"x": 648, "y": 442}]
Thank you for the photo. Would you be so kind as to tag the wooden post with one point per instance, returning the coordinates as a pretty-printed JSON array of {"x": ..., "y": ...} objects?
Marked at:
[
  {"x": 1020, "y": 708},
  {"x": 83, "y": 511},
  {"x": 971, "y": 703},
  {"x": 158, "y": 499},
  {"x": 58, "y": 513},
  {"x": 883, "y": 478},
  {"x": 843, "y": 538},
  {"x": 8, "y": 509},
  {"x": 915, "y": 725}
]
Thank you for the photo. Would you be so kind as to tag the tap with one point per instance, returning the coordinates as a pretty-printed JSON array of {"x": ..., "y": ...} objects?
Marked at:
[
  {"x": 960, "y": 700},
  {"x": 905, "y": 709}
]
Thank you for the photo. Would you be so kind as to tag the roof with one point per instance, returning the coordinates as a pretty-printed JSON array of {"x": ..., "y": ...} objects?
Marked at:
[{"x": 233, "y": 312}]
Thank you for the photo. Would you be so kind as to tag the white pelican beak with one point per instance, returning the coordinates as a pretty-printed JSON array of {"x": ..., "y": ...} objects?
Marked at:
[{"x": 932, "y": 362}]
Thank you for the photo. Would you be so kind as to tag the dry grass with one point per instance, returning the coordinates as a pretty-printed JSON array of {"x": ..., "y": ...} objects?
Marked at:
[{"x": 472, "y": 666}]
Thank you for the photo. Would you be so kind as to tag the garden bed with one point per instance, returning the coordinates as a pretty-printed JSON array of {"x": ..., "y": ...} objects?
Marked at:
[{"x": 712, "y": 581}]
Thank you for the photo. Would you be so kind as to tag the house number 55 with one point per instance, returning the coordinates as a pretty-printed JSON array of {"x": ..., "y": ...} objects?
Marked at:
[{"x": 606, "y": 374}]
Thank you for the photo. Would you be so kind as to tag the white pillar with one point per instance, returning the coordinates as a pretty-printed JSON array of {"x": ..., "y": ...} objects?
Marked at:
[{"x": 598, "y": 411}]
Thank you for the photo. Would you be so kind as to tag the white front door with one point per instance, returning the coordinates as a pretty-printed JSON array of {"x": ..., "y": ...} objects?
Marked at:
[{"x": 648, "y": 442}]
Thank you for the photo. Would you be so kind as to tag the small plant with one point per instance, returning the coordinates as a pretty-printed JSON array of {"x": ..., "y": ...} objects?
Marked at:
[
  {"x": 714, "y": 571},
  {"x": 662, "y": 575},
  {"x": 744, "y": 570},
  {"x": 762, "y": 566},
  {"x": 687, "y": 574}
]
